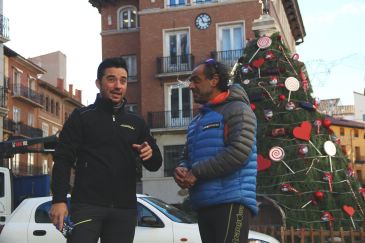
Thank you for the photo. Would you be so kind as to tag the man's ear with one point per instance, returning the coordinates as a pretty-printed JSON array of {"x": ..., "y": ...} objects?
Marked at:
[
  {"x": 215, "y": 80},
  {"x": 97, "y": 83}
]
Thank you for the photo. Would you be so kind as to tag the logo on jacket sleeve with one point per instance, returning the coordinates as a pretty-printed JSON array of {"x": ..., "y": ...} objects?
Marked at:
[
  {"x": 211, "y": 125},
  {"x": 127, "y": 126}
]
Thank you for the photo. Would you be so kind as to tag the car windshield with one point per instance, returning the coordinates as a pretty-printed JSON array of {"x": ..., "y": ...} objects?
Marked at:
[{"x": 170, "y": 211}]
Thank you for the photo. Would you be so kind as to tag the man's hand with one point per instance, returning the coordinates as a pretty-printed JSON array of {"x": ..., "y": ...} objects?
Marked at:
[
  {"x": 58, "y": 212},
  {"x": 179, "y": 176},
  {"x": 190, "y": 179},
  {"x": 144, "y": 150}
]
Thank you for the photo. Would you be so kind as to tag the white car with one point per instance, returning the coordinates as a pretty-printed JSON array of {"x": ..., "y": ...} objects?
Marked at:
[{"x": 158, "y": 222}]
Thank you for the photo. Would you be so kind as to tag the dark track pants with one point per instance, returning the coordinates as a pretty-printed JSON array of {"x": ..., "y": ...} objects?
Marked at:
[
  {"x": 225, "y": 223},
  {"x": 112, "y": 225}
]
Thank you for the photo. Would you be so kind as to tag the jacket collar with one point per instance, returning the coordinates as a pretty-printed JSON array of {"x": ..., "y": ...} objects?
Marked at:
[{"x": 108, "y": 105}]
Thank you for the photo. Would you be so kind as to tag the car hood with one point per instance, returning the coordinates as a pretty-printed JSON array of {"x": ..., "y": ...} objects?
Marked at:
[{"x": 188, "y": 233}]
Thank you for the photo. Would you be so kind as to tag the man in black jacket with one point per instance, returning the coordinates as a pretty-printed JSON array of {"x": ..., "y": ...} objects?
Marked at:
[{"x": 103, "y": 143}]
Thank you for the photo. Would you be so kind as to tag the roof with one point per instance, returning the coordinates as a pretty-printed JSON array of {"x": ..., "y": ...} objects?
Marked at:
[{"x": 346, "y": 123}]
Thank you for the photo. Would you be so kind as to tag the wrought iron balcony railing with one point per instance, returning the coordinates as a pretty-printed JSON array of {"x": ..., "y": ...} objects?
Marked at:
[
  {"x": 4, "y": 28},
  {"x": 229, "y": 58},
  {"x": 170, "y": 119},
  {"x": 20, "y": 128},
  {"x": 24, "y": 91},
  {"x": 175, "y": 64}
]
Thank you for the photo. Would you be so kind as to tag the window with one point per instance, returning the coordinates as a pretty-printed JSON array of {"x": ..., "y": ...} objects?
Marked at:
[
  {"x": 57, "y": 109},
  {"x": 17, "y": 76},
  {"x": 131, "y": 61},
  {"x": 45, "y": 129},
  {"x": 30, "y": 163},
  {"x": 15, "y": 163},
  {"x": 230, "y": 43},
  {"x": 132, "y": 108},
  {"x": 42, "y": 212},
  {"x": 356, "y": 133},
  {"x": 203, "y": 1},
  {"x": 52, "y": 106},
  {"x": 45, "y": 166},
  {"x": 54, "y": 130},
  {"x": 177, "y": 50},
  {"x": 179, "y": 105},
  {"x": 47, "y": 103},
  {"x": 176, "y": 3},
  {"x": 172, "y": 155},
  {"x": 30, "y": 119},
  {"x": 16, "y": 114},
  {"x": 342, "y": 131},
  {"x": 2, "y": 184},
  {"x": 142, "y": 211},
  {"x": 128, "y": 18}
]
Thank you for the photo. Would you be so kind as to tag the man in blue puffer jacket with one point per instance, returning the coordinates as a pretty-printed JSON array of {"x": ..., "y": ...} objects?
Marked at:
[{"x": 219, "y": 163}]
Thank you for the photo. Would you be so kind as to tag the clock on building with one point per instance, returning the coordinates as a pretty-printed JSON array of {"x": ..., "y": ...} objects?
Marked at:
[{"x": 202, "y": 21}]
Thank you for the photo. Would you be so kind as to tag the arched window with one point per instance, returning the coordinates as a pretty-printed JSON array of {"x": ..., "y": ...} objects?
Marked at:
[{"x": 128, "y": 18}]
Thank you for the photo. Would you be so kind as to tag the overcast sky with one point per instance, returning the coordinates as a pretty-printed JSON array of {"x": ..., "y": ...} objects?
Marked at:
[{"x": 333, "y": 49}]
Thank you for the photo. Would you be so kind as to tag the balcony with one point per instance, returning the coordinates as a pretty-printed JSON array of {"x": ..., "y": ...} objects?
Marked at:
[
  {"x": 229, "y": 58},
  {"x": 360, "y": 160},
  {"x": 18, "y": 128},
  {"x": 173, "y": 65},
  {"x": 170, "y": 119},
  {"x": 3, "y": 97},
  {"x": 4, "y": 29},
  {"x": 27, "y": 94}
]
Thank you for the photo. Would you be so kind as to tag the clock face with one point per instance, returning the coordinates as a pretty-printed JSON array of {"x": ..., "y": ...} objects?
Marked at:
[{"x": 202, "y": 21}]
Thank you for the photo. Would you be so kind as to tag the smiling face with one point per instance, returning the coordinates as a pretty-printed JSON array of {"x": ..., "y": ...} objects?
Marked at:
[{"x": 113, "y": 85}]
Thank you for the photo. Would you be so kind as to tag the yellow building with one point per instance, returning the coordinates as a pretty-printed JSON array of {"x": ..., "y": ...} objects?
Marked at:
[{"x": 352, "y": 137}]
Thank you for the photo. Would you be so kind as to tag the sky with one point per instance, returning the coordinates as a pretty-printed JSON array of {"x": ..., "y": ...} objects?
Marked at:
[{"x": 333, "y": 48}]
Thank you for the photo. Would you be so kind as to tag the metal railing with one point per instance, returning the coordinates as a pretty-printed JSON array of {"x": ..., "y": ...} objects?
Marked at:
[
  {"x": 21, "y": 128},
  {"x": 24, "y": 91},
  {"x": 4, "y": 27},
  {"x": 229, "y": 58},
  {"x": 170, "y": 119},
  {"x": 175, "y": 64}
]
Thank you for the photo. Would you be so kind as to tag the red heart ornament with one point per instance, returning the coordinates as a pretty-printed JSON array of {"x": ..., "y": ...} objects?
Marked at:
[
  {"x": 258, "y": 62},
  {"x": 262, "y": 163},
  {"x": 303, "y": 132},
  {"x": 349, "y": 210}
]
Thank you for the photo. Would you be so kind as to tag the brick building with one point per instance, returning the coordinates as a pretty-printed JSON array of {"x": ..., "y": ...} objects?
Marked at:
[
  {"x": 35, "y": 108},
  {"x": 163, "y": 40}
]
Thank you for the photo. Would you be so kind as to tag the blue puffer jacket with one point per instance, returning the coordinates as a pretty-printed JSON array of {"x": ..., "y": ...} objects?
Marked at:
[{"x": 221, "y": 151}]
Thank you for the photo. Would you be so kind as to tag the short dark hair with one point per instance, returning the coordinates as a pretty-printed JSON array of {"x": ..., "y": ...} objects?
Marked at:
[
  {"x": 213, "y": 67},
  {"x": 117, "y": 62}
]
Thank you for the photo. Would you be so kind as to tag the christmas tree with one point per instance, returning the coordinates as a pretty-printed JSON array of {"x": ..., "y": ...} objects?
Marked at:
[{"x": 300, "y": 163}]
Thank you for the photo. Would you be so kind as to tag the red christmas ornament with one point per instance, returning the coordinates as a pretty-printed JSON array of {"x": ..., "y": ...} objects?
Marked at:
[
  {"x": 270, "y": 55},
  {"x": 253, "y": 106},
  {"x": 326, "y": 122},
  {"x": 318, "y": 195},
  {"x": 281, "y": 85},
  {"x": 282, "y": 97},
  {"x": 303, "y": 150}
]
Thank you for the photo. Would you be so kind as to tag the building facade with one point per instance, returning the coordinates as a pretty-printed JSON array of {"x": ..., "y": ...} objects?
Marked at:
[
  {"x": 351, "y": 135},
  {"x": 162, "y": 41},
  {"x": 35, "y": 108}
]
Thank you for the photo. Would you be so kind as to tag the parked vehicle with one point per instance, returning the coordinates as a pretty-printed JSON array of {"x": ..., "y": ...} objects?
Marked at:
[
  {"x": 14, "y": 189},
  {"x": 158, "y": 222}
]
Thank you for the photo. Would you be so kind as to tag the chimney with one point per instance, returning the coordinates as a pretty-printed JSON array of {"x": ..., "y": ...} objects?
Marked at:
[
  {"x": 78, "y": 95},
  {"x": 70, "y": 89},
  {"x": 60, "y": 84}
]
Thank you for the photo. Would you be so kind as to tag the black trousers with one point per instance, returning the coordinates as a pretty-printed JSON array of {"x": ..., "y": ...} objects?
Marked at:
[
  {"x": 224, "y": 223},
  {"x": 111, "y": 225}
]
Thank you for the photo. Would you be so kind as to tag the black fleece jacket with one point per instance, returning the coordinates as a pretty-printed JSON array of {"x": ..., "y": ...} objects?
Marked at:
[{"x": 97, "y": 141}]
